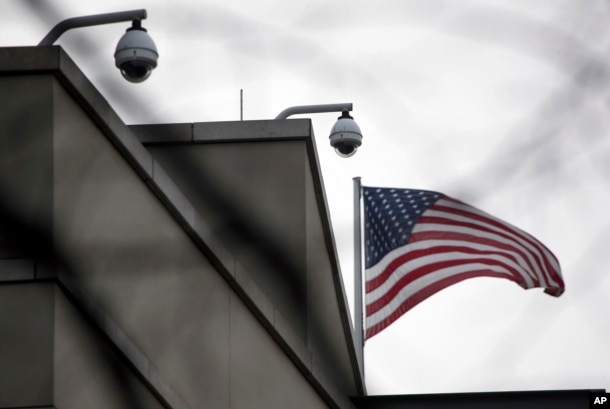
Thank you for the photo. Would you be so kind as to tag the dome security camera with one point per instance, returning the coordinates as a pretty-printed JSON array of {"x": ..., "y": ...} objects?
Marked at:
[
  {"x": 345, "y": 136},
  {"x": 136, "y": 53}
]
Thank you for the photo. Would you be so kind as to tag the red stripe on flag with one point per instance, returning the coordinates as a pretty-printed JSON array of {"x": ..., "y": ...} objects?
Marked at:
[
  {"x": 513, "y": 247},
  {"x": 422, "y": 295},
  {"x": 419, "y": 272},
  {"x": 434, "y": 235},
  {"x": 479, "y": 215}
]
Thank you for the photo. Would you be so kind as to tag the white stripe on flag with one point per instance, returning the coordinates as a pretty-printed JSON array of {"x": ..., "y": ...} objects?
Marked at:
[
  {"x": 420, "y": 284},
  {"x": 411, "y": 265}
]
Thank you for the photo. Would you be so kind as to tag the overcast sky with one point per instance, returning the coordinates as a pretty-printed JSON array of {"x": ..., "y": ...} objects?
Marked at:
[{"x": 502, "y": 104}]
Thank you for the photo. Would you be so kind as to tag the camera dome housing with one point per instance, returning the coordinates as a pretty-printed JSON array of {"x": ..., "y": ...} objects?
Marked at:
[
  {"x": 136, "y": 54},
  {"x": 345, "y": 136}
]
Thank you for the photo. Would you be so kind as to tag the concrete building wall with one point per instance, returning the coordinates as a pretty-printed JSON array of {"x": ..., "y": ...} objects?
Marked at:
[
  {"x": 26, "y": 311},
  {"x": 92, "y": 224},
  {"x": 262, "y": 376},
  {"x": 133, "y": 259},
  {"x": 326, "y": 339},
  {"x": 253, "y": 194},
  {"x": 266, "y": 206},
  {"x": 26, "y": 344},
  {"x": 26, "y": 137},
  {"x": 87, "y": 371}
]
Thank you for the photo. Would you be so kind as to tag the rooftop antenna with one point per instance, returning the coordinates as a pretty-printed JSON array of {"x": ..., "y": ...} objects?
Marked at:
[{"x": 241, "y": 104}]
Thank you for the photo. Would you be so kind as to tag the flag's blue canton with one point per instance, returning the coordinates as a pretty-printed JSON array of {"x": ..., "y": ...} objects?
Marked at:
[{"x": 389, "y": 218}]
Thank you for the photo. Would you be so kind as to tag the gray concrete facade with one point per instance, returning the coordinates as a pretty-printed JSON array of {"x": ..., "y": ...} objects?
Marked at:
[{"x": 177, "y": 266}]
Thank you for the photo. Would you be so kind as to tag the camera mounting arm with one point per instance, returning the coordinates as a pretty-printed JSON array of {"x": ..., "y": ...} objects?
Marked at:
[
  {"x": 93, "y": 20},
  {"x": 314, "y": 109}
]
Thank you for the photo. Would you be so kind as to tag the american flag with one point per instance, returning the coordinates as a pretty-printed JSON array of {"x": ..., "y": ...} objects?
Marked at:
[{"x": 418, "y": 242}]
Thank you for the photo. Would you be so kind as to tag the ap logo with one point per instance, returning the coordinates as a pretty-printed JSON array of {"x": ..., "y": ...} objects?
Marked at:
[{"x": 599, "y": 399}]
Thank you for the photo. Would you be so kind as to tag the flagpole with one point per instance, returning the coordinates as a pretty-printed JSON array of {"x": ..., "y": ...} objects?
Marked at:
[{"x": 358, "y": 314}]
